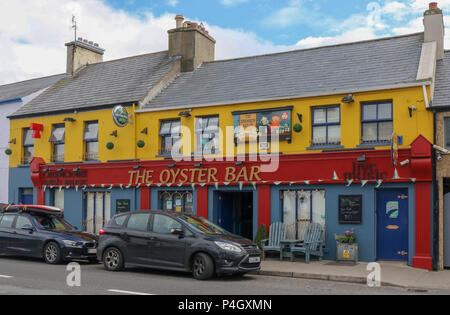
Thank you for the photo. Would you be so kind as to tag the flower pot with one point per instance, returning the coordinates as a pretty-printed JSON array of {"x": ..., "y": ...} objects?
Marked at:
[{"x": 347, "y": 252}]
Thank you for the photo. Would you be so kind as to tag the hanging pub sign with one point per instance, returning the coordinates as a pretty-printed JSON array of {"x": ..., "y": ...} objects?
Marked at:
[
  {"x": 350, "y": 209},
  {"x": 120, "y": 116},
  {"x": 252, "y": 124}
]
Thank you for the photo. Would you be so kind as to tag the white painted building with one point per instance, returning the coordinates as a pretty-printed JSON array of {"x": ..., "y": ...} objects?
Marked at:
[{"x": 12, "y": 97}]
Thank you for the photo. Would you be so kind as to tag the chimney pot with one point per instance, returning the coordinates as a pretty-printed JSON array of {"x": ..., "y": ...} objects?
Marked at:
[
  {"x": 433, "y": 5},
  {"x": 179, "y": 18}
]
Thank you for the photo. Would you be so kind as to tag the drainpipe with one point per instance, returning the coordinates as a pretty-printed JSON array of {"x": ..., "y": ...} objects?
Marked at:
[{"x": 436, "y": 229}]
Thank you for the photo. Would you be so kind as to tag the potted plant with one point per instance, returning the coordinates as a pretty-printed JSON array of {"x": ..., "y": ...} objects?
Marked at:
[{"x": 347, "y": 248}]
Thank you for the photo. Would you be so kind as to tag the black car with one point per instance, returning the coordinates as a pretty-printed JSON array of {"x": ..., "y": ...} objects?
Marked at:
[
  {"x": 41, "y": 232},
  {"x": 175, "y": 241}
]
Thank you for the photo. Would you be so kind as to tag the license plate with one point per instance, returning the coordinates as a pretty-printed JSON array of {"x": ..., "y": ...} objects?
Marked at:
[
  {"x": 92, "y": 251},
  {"x": 254, "y": 260}
]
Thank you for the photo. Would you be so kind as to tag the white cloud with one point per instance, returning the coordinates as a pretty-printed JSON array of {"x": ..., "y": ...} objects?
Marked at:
[{"x": 172, "y": 3}]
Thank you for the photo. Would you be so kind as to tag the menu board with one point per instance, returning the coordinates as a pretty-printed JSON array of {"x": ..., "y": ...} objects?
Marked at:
[
  {"x": 350, "y": 209},
  {"x": 123, "y": 205}
]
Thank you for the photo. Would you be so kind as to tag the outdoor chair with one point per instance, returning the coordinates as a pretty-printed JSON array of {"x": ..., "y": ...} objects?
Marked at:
[
  {"x": 312, "y": 245},
  {"x": 277, "y": 233}
]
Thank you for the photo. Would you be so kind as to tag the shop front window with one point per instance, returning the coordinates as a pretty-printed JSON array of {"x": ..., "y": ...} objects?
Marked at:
[
  {"x": 177, "y": 201},
  {"x": 170, "y": 133},
  {"x": 377, "y": 123},
  {"x": 91, "y": 141},
  {"x": 300, "y": 208},
  {"x": 57, "y": 139},
  {"x": 28, "y": 146}
]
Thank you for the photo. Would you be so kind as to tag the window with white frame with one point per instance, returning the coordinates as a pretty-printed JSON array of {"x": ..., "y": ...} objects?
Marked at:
[
  {"x": 207, "y": 133},
  {"x": 326, "y": 125},
  {"x": 300, "y": 208},
  {"x": 57, "y": 139},
  {"x": 91, "y": 141}
]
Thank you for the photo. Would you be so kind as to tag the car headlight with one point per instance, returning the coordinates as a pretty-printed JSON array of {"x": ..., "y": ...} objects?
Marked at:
[
  {"x": 229, "y": 247},
  {"x": 72, "y": 243}
]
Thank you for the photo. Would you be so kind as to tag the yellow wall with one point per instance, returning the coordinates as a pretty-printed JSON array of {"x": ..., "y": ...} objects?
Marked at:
[{"x": 125, "y": 143}]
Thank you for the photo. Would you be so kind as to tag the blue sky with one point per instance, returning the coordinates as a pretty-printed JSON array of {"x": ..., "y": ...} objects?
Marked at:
[{"x": 33, "y": 30}]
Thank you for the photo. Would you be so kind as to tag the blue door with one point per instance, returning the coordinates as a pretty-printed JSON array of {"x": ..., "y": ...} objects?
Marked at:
[
  {"x": 392, "y": 225},
  {"x": 225, "y": 212}
]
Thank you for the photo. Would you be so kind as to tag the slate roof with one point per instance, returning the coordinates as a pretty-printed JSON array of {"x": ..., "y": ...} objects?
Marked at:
[
  {"x": 108, "y": 83},
  {"x": 359, "y": 65},
  {"x": 21, "y": 89},
  {"x": 442, "y": 88}
]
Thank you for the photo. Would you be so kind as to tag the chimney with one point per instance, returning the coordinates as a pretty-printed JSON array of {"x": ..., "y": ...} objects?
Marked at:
[
  {"x": 192, "y": 42},
  {"x": 81, "y": 53},
  {"x": 434, "y": 28}
]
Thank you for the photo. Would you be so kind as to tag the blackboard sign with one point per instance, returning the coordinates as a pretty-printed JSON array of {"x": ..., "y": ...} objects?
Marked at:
[
  {"x": 123, "y": 205},
  {"x": 350, "y": 209}
]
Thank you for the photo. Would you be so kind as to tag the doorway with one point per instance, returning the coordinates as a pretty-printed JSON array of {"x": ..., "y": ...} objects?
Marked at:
[
  {"x": 235, "y": 213},
  {"x": 392, "y": 225}
]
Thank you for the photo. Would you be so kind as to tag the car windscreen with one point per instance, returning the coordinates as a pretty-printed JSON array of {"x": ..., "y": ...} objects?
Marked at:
[
  {"x": 202, "y": 225},
  {"x": 53, "y": 223}
]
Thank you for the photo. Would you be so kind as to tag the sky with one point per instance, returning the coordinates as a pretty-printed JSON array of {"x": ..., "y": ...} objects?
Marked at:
[{"x": 33, "y": 32}]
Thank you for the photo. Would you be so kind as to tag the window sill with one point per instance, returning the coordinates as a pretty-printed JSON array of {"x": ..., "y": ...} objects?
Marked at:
[
  {"x": 374, "y": 144},
  {"x": 322, "y": 147},
  {"x": 168, "y": 155}
]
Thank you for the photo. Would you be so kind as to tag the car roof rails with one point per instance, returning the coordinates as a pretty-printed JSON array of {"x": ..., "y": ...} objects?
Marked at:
[{"x": 12, "y": 208}]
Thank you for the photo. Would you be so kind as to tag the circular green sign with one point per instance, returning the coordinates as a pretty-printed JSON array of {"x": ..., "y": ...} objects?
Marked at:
[
  {"x": 120, "y": 116},
  {"x": 140, "y": 143},
  {"x": 110, "y": 145}
]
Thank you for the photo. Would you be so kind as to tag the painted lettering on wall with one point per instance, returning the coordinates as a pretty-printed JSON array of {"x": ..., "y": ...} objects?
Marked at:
[
  {"x": 65, "y": 178},
  {"x": 365, "y": 171}
]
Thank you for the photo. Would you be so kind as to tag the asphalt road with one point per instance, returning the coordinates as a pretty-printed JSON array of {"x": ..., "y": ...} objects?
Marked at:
[{"x": 32, "y": 277}]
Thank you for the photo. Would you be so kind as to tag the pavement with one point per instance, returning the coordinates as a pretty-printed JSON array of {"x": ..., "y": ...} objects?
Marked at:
[{"x": 395, "y": 274}]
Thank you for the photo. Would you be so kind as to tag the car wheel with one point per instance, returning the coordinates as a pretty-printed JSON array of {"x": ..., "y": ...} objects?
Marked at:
[
  {"x": 202, "y": 267},
  {"x": 52, "y": 253},
  {"x": 113, "y": 259}
]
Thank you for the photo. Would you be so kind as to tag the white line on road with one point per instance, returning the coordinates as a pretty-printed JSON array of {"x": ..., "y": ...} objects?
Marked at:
[
  {"x": 129, "y": 292},
  {"x": 6, "y": 277}
]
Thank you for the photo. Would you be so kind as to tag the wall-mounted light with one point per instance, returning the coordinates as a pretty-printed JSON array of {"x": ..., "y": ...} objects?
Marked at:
[
  {"x": 362, "y": 158},
  {"x": 69, "y": 119},
  {"x": 136, "y": 167},
  {"x": 198, "y": 165},
  {"x": 13, "y": 141},
  {"x": 239, "y": 163},
  {"x": 300, "y": 117},
  {"x": 114, "y": 133},
  {"x": 411, "y": 109},
  {"x": 60, "y": 170},
  {"x": 348, "y": 99},
  {"x": 173, "y": 165},
  {"x": 76, "y": 170},
  {"x": 185, "y": 114},
  {"x": 144, "y": 131}
]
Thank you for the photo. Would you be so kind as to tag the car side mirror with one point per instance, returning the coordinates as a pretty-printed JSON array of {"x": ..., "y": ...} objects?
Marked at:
[
  {"x": 177, "y": 231},
  {"x": 28, "y": 227}
]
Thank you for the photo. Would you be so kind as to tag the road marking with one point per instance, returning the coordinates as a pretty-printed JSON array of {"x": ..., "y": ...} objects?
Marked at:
[
  {"x": 6, "y": 277},
  {"x": 129, "y": 292}
]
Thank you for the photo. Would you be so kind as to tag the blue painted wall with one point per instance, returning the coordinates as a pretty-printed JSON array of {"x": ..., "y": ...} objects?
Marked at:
[{"x": 19, "y": 177}]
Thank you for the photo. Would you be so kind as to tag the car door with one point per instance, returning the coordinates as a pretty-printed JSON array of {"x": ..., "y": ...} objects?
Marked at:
[
  {"x": 6, "y": 232},
  {"x": 136, "y": 235},
  {"x": 166, "y": 249},
  {"x": 25, "y": 242}
]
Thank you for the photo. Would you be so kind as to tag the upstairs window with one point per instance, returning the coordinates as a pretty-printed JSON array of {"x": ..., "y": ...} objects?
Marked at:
[
  {"x": 58, "y": 141},
  {"x": 326, "y": 126},
  {"x": 28, "y": 146},
  {"x": 170, "y": 133},
  {"x": 207, "y": 134},
  {"x": 91, "y": 141},
  {"x": 447, "y": 133},
  {"x": 377, "y": 123}
]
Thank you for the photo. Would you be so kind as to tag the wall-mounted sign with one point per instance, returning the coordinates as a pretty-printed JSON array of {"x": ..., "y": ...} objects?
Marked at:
[
  {"x": 350, "y": 209},
  {"x": 249, "y": 125},
  {"x": 120, "y": 116}
]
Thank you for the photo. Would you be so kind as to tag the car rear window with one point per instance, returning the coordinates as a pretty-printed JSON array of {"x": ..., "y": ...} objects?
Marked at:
[
  {"x": 138, "y": 221},
  {"x": 7, "y": 221},
  {"x": 120, "y": 220}
]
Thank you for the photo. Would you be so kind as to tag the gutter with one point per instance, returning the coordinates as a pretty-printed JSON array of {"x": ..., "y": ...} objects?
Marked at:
[{"x": 305, "y": 95}]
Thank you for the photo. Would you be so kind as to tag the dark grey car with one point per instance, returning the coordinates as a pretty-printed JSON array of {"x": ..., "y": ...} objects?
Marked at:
[{"x": 175, "y": 241}]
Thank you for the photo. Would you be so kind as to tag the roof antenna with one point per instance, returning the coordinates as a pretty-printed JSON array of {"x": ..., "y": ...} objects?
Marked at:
[
  {"x": 74, "y": 25},
  {"x": 74, "y": 47}
]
